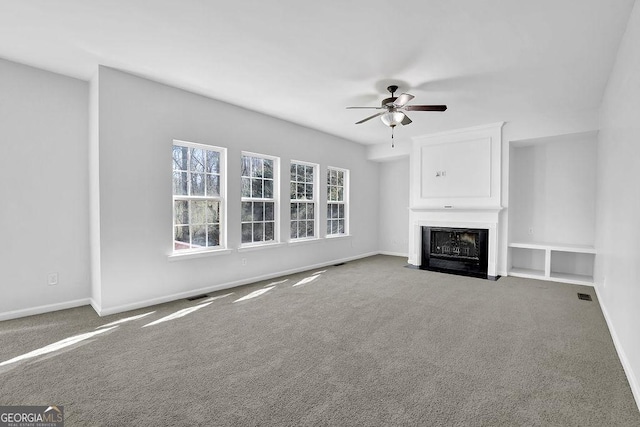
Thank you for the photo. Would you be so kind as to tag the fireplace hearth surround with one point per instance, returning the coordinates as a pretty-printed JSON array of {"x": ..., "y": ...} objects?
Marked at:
[{"x": 461, "y": 251}]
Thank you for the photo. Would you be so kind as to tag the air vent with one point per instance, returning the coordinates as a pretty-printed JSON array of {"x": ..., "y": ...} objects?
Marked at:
[
  {"x": 585, "y": 297},
  {"x": 197, "y": 297}
]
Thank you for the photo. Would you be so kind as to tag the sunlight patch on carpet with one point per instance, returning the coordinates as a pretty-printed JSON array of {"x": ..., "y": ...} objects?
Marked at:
[
  {"x": 276, "y": 283},
  {"x": 127, "y": 319},
  {"x": 56, "y": 346},
  {"x": 305, "y": 281},
  {"x": 254, "y": 294},
  {"x": 178, "y": 314}
]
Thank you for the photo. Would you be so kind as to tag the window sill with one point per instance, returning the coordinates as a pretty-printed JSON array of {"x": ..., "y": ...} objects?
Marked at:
[
  {"x": 259, "y": 247},
  {"x": 338, "y": 236},
  {"x": 304, "y": 241},
  {"x": 201, "y": 254}
]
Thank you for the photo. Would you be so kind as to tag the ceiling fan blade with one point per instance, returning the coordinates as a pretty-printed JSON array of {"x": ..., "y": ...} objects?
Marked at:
[
  {"x": 425, "y": 107},
  {"x": 372, "y": 108},
  {"x": 406, "y": 120},
  {"x": 370, "y": 117},
  {"x": 403, "y": 99}
]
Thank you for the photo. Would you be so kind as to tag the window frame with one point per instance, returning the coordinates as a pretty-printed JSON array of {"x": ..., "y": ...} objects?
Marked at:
[
  {"x": 314, "y": 201},
  {"x": 221, "y": 199},
  {"x": 275, "y": 199},
  {"x": 344, "y": 202}
]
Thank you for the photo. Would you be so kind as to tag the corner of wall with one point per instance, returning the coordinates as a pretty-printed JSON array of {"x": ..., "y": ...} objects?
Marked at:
[
  {"x": 634, "y": 381},
  {"x": 94, "y": 189}
]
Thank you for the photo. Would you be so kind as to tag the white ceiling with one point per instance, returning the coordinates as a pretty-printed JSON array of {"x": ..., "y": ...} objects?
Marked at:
[{"x": 305, "y": 61}]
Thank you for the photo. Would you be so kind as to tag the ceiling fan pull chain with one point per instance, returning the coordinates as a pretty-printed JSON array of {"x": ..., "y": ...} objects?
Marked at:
[{"x": 392, "y": 142}]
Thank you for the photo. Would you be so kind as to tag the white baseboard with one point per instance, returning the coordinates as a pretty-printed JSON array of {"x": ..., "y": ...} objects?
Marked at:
[
  {"x": 400, "y": 254},
  {"x": 634, "y": 383},
  {"x": 167, "y": 298},
  {"x": 15, "y": 314},
  {"x": 96, "y": 307}
]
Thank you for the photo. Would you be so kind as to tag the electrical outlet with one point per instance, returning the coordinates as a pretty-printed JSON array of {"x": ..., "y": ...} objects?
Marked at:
[
  {"x": 52, "y": 279},
  {"x": 244, "y": 261}
]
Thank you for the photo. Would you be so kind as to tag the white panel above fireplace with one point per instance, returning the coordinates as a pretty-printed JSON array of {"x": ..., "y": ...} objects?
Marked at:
[
  {"x": 457, "y": 169},
  {"x": 465, "y": 174}
]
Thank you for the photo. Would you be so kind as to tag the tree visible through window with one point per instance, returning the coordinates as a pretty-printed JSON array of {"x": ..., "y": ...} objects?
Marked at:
[
  {"x": 336, "y": 201},
  {"x": 197, "y": 196},
  {"x": 259, "y": 186},
  {"x": 303, "y": 200}
]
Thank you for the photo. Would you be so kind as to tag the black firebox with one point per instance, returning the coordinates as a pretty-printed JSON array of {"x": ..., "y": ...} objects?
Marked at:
[{"x": 462, "y": 251}]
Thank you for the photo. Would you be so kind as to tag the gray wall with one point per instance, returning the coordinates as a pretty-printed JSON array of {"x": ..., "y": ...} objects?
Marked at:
[
  {"x": 552, "y": 190},
  {"x": 618, "y": 203},
  {"x": 394, "y": 207},
  {"x": 137, "y": 122},
  {"x": 44, "y": 190}
]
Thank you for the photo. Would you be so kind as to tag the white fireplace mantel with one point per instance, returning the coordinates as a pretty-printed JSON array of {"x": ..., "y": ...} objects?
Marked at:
[{"x": 469, "y": 218}]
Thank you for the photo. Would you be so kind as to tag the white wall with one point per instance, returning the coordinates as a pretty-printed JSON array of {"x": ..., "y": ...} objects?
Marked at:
[
  {"x": 94, "y": 191},
  {"x": 618, "y": 203},
  {"x": 44, "y": 190},
  {"x": 552, "y": 190},
  {"x": 138, "y": 119},
  {"x": 394, "y": 207}
]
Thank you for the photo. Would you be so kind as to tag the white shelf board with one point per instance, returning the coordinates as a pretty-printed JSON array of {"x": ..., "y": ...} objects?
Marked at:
[
  {"x": 576, "y": 279},
  {"x": 561, "y": 247},
  {"x": 527, "y": 273}
]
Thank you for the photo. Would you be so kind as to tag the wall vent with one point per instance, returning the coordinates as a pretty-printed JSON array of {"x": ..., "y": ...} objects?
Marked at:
[
  {"x": 197, "y": 297},
  {"x": 585, "y": 297}
]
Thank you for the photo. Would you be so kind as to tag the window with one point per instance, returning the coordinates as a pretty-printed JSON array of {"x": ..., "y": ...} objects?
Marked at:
[
  {"x": 198, "y": 196},
  {"x": 303, "y": 200},
  {"x": 337, "y": 198},
  {"x": 259, "y": 191}
]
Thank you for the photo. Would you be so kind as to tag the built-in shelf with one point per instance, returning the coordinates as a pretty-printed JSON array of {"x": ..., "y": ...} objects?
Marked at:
[
  {"x": 565, "y": 263},
  {"x": 528, "y": 273}
]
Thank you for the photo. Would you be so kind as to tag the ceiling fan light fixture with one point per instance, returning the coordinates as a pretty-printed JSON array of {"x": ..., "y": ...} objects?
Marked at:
[{"x": 392, "y": 118}]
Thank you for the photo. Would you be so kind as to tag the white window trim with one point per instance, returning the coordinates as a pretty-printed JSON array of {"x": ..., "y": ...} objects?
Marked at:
[
  {"x": 305, "y": 241},
  {"x": 199, "y": 254},
  {"x": 315, "y": 201},
  {"x": 347, "y": 204},
  {"x": 276, "y": 204},
  {"x": 222, "y": 199},
  {"x": 337, "y": 236},
  {"x": 248, "y": 247}
]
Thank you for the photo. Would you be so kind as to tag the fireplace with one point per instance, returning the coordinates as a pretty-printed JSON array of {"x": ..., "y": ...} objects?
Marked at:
[{"x": 455, "y": 250}]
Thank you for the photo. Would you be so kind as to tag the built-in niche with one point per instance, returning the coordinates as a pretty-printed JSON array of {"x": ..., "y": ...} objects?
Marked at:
[{"x": 552, "y": 183}]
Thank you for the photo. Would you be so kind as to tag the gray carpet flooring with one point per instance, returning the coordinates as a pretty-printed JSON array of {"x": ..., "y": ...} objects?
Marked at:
[{"x": 368, "y": 343}]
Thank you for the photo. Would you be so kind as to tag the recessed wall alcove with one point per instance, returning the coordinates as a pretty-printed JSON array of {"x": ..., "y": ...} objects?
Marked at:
[{"x": 552, "y": 193}]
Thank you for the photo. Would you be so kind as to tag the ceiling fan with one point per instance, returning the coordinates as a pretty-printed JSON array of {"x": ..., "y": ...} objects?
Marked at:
[{"x": 394, "y": 110}]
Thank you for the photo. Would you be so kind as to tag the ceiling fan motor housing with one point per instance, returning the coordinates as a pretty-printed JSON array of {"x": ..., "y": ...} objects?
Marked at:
[{"x": 388, "y": 102}]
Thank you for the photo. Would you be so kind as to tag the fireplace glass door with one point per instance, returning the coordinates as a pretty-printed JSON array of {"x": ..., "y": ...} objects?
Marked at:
[{"x": 455, "y": 250}]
